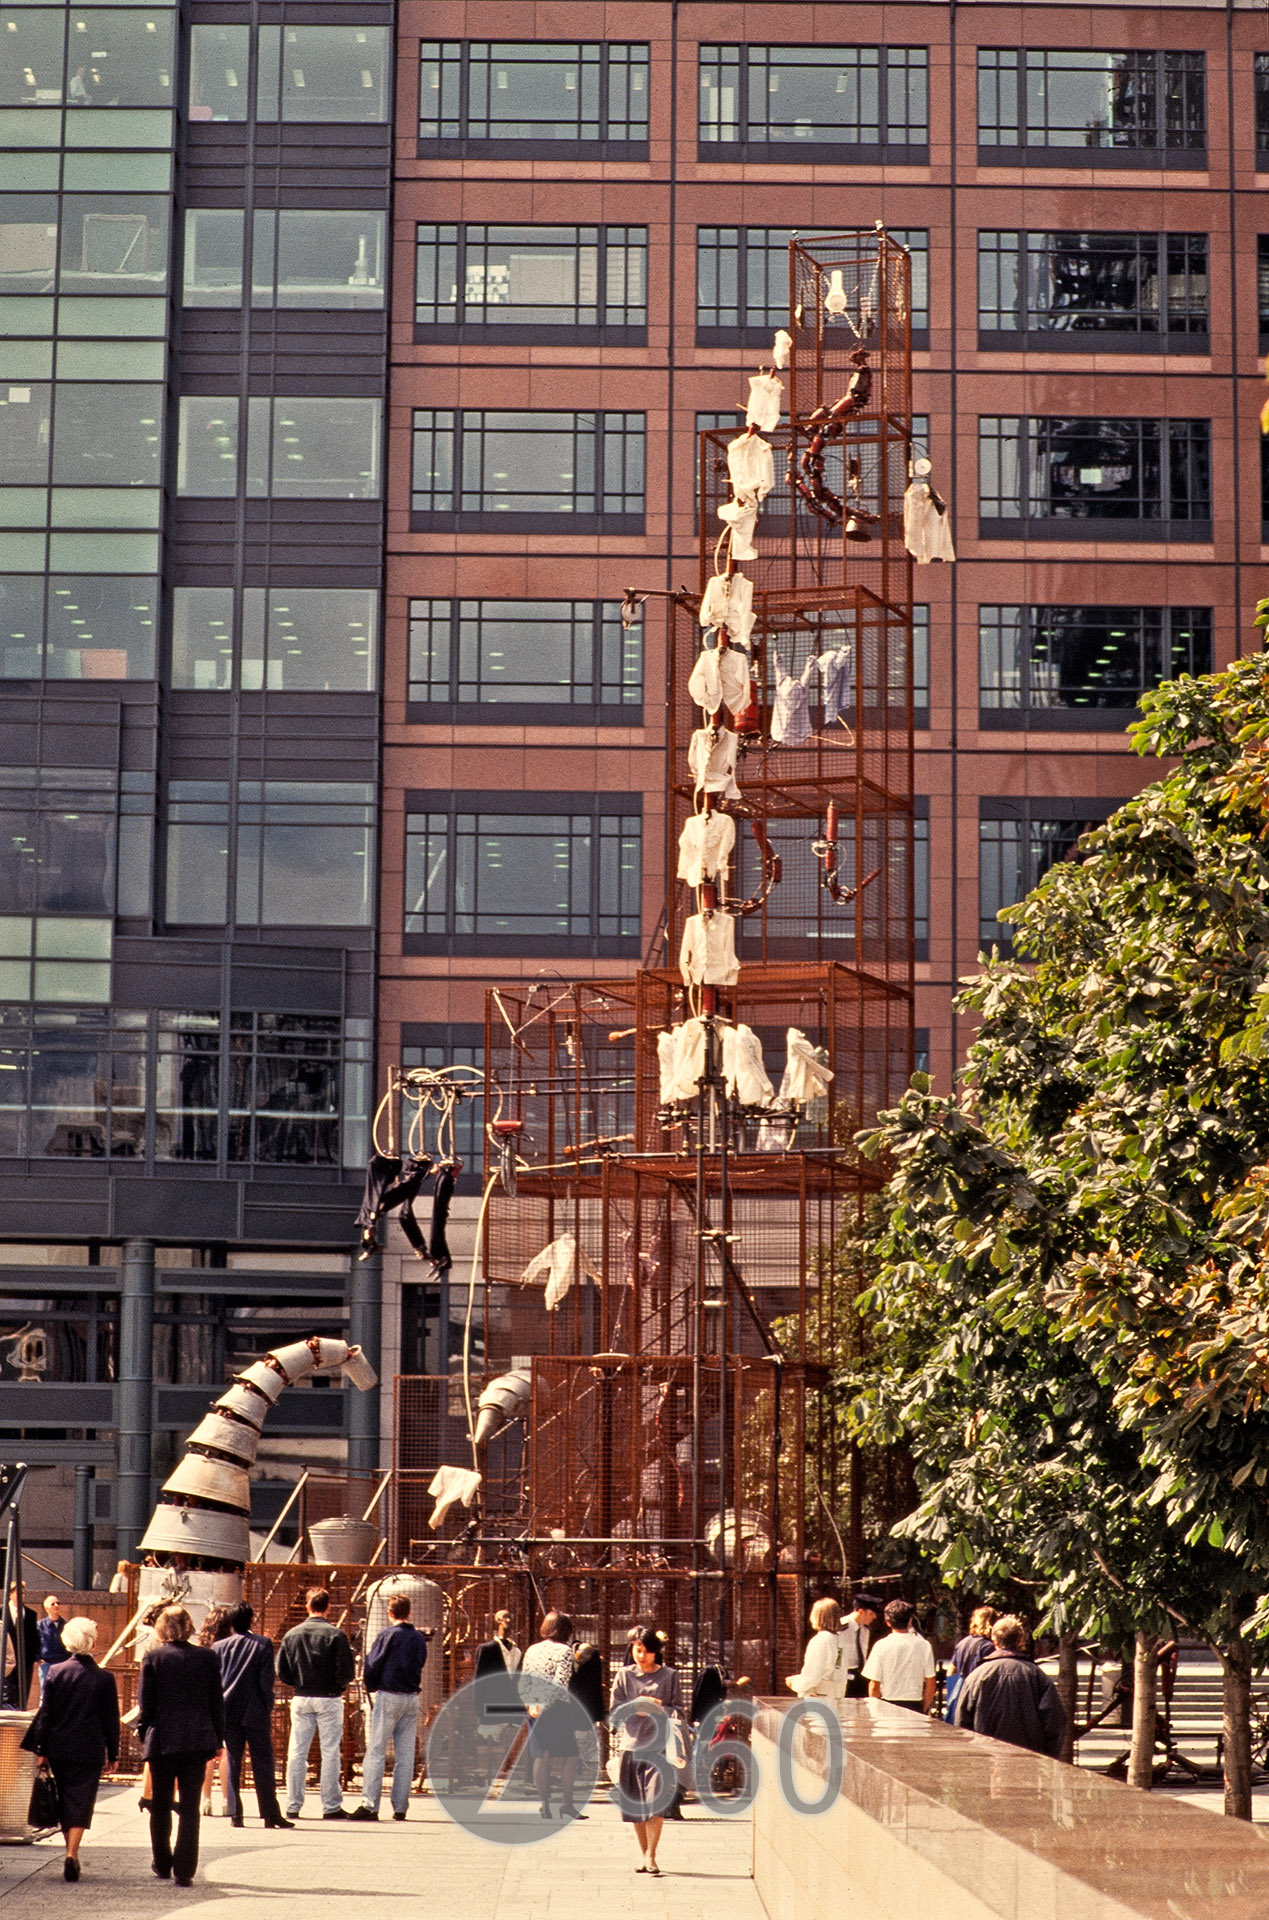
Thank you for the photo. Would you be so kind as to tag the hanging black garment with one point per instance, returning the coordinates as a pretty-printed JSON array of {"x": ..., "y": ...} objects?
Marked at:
[
  {"x": 710, "y": 1691},
  {"x": 437, "y": 1245},
  {"x": 391, "y": 1184}
]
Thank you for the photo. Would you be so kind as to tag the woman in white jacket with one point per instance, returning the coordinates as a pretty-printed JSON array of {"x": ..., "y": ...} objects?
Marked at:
[{"x": 823, "y": 1675}]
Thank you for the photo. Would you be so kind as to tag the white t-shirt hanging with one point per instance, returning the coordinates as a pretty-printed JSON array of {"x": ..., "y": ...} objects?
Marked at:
[
  {"x": 766, "y": 394},
  {"x": 705, "y": 846},
  {"x": 742, "y": 521},
  {"x": 805, "y": 1075},
  {"x": 751, "y": 467},
  {"x": 790, "y": 712},
  {"x": 743, "y": 1068},
  {"x": 715, "y": 601},
  {"x": 707, "y": 957},
  {"x": 782, "y": 349},
  {"x": 834, "y": 669},
  {"x": 711, "y": 755}
]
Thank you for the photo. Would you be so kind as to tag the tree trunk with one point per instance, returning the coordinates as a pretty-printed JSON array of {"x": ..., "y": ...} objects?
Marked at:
[
  {"x": 1236, "y": 1728},
  {"x": 1068, "y": 1690},
  {"x": 1144, "y": 1715}
]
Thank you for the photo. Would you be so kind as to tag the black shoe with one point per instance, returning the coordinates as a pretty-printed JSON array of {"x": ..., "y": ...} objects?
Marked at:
[
  {"x": 145, "y": 1804},
  {"x": 569, "y": 1812},
  {"x": 339, "y": 1814},
  {"x": 160, "y": 1873},
  {"x": 362, "y": 1813},
  {"x": 70, "y": 1869},
  {"x": 398, "y": 1816},
  {"x": 183, "y": 1883},
  {"x": 236, "y": 1821},
  {"x": 545, "y": 1811},
  {"x": 288, "y": 1825}
]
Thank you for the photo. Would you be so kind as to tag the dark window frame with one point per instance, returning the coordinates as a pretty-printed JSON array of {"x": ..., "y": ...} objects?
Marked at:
[
  {"x": 464, "y": 239},
  {"x": 1075, "y": 816},
  {"x": 1161, "y": 629},
  {"x": 1180, "y": 450},
  {"x": 758, "y": 257},
  {"x": 466, "y": 619},
  {"x": 459, "y": 62},
  {"x": 524, "y": 805},
  {"x": 1032, "y": 254},
  {"x": 1260, "y": 87},
  {"x": 1008, "y": 71},
  {"x": 618, "y": 436},
  {"x": 747, "y": 65}
]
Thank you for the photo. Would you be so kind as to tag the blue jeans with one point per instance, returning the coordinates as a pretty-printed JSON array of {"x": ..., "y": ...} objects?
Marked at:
[
  {"x": 395, "y": 1717},
  {"x": 325, "y": 1718}
]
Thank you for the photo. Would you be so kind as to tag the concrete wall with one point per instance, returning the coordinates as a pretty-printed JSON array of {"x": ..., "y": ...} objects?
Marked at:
[{"x": 935, "y": 1824}]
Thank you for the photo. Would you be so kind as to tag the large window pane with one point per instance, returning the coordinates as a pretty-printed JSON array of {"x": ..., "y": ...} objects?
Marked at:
[
  {"x": 553, "y": 653},
  {"x": 534, "y": 92},
  {"x": 334, "y": 74},
  {"x": 1081, "y": 98},
  {"x": 1147, "y": 283},
  {"x": 28, "y": 239},
  {"x": 304, "y": 854},
  {"x": 531, "y": 276},
  {"x": 793, "y": 97},
  {"x": 120, "y": 57},
  {"x": 1051, "y": 658},
  {"x": 114, "y": 243},
  {"x": 317, "y": 640},
  {"x": 543, "y": 464},
  {"x": 220, "y": 61},
  {"x": 21, "y": 625},
  {"x": 187, "y": 1086},
  {"x": 207, "y": 447},
  {"x": 31, "y": 44},
  {"x": 107, "y": 436},
  {"x": 197, "y": 853},
  {"x": 213, "y": 256},
  {"x": 203, "y": 637},
  {"x": 284, "y": 1088},
  {"x": 330, "y": 259},
  {"x": 100, "y": 628},
  {"x": 325, "y": 449}
]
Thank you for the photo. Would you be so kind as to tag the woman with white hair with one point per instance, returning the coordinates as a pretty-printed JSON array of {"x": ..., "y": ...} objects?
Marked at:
[{"x": 77, "y": 1731}]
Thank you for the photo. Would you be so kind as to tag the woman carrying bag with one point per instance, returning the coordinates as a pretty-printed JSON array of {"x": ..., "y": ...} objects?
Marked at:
[{"x": 77, "y": 1731}]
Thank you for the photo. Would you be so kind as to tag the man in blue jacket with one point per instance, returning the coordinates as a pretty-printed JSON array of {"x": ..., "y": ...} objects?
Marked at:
[
  {"x": 246, "y": 1674},
  {"x": 392, "y": 1673}
]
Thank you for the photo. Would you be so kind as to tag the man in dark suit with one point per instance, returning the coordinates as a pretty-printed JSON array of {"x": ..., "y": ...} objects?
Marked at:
[
  {"x": 246, "y": 1674},
  {"x": 30, "y": 1631},
  {"x": 182, "y": 1722}
]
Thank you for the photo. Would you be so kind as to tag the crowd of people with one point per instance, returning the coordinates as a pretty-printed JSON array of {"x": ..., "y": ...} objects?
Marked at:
[{"x": 205, "y": 1702}]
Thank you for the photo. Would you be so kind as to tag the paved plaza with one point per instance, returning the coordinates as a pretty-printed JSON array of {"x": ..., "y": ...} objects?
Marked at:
[{"x": 338, "y": 1870}]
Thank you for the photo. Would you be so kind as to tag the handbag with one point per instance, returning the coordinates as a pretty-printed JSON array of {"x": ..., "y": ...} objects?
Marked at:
[
  {"x": 676, "y": 1744},
  {"x": 44, "y": 1811}
]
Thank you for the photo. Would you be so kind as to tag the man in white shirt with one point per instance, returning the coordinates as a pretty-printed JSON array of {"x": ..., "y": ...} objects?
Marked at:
[{"x": 900, "y": 1668}]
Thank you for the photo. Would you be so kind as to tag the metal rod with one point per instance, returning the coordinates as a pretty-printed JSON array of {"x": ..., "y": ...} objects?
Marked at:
[
  {"x": 379, "y": 1493},
  {"x": 291, "y": 1499}
]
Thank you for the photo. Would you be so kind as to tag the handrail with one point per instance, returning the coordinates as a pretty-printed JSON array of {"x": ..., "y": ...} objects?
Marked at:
[{"x": 291, "y": 1499}]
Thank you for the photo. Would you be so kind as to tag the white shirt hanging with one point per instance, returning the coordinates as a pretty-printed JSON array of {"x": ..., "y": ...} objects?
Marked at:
[
  {"x": 742, "y": 520},
  {"x": 743, "y": 1068},
  {"x": 751, "y": 467},
  {"x": 782, "y": 349},
  {"x": 707, "y": 957},
  {"x": 790, "y": 713},
  {"x": 720, "y": 677},
  {"x": 766, "y": 395},
  {"x": 449, "y": 1485},
  {"x": 927, "y": 528},
  {"x": 705, "y": 846},
  {"x": 805, "y": 1075},
  {"x": 558, "y": 1262},
  {"x": 681, "y": 1061},
  {"x": 833, "y": 668},
  {"x": 711, "y": 755},
  {"x": 715, "y": 601}
]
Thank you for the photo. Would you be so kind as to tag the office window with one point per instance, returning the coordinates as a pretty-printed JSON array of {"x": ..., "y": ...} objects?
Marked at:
[
  {"x": 1068, "y": 471},
  {"x": 304, "y": 853},
  {"x": 477, "y": 468},
  {"x": 542, "y": 660},
  {"x": 285, "y": 1072},
  {"x": 1262, "y": 107},
  {"x": 742, "y": 281},
  {"x": 318, "y": 259},
  {"x": 214, "y": 238},
  {"x": 55, "y": 960},
  {"x": 503, "y": 94},
  {"x": 1072, "y": 98},
  {"x": 112, "y": 243},
  {"x": 921, "y": 657},
  {"x": 327, "y": 75},
  {"x": 57, "y": 840},
  {"x": 1073, "y": 283},
  {"x": 88, "y": 57},
  {"x": 219, "y": 65},
  {"x": 292, "y": 639},
  {"x": 197, "y": 853},
  {"x": 73, "y": 1086},
  {"x": 562, "y": 279},
  {"x": 106, "y": 435},
  {"x": 1085, "y": 659},
  {"x": 783, "y": 102},
  {"x": 77, "y": 627},
  {"x": 1018, "y": 841},
  {"x": 187, "y": 1086},
  {"x": 523, "y": 873},
  {"x": 297, "y": 448}
]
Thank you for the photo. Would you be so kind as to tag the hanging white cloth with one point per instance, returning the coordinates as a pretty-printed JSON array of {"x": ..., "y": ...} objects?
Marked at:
[
  {"x": 790, "y": 712},
  {"x": 782, "y": 349},
  {"x": 711, "y": 755},
  {"x": 707, "y": 957},
  {"x": 833, "y": 668},
  {"x": 449, "y": 1485},
  {"x": 742, "y": 520},
  {"x": 727, "y": 602},
  {"x": 680, "y": 1061},
  {"x": 705, "y": 846},
  {"x": 806, "y": 1077},
  {"x": 743, "y": 1068},
  {"x": 720, "y": 677},
  {"x": 927, "y": 525},
  {"x": 715, "y": 601},
  {"x": 751, "y": 467},
  {"x": 558, "y": 1262},
  {"x": 766, "y": 394}
]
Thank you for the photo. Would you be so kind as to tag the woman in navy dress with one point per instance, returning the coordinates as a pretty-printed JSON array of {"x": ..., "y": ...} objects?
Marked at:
[
  {"x": 642, "y": 1782},
  {"x": 77, "y": 1731}
]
